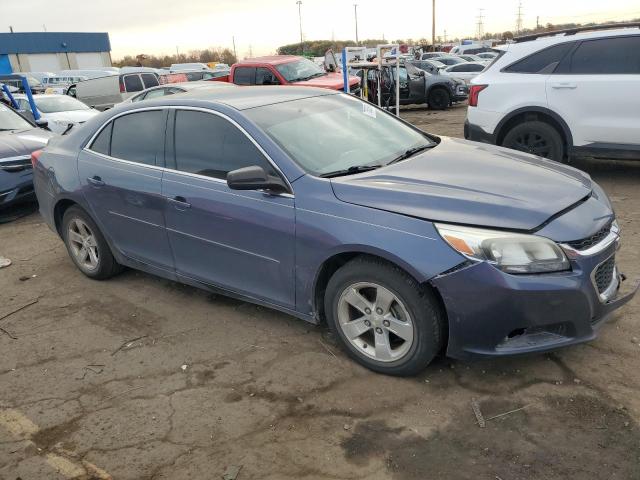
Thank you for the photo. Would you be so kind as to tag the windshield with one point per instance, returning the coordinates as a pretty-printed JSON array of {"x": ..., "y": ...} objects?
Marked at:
[
  {"x": 10, "y": 120},
  {"x": 63, "y": 103},
  {"x": 299, "y": 70},
  {"x": 331, "y": 133}
]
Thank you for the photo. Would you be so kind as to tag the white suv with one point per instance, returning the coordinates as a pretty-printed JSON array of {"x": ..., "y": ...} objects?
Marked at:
[{"x": 562, "y": 95}]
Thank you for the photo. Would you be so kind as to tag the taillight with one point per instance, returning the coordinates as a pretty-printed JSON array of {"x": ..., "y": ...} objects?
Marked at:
[
  {"x": 34, "y": 157},
  {"x": 474, "y": 92},
  {"x": 122, "y": 90}
]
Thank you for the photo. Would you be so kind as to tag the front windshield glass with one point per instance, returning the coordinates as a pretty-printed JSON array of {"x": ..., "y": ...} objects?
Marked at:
[
  {"x": 51, "y": 104},
  {"x": 10, "y": 120},
  {"x": 300, "y": 70},
  {"x": 332, "y": 133}
]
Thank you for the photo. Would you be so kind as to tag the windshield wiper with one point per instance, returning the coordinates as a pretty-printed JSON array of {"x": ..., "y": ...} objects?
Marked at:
[
  {"x": 350, "y": 171},
  {"x": 304, "y": 79},
  {"x": 411, "y": 152}
]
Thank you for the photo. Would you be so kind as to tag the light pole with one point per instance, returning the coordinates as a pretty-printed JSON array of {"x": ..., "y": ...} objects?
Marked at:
[
  {"x": 433, "y": 25},
  {"x": 299, "y": 3},
  {"x": 355, "y": 10}
]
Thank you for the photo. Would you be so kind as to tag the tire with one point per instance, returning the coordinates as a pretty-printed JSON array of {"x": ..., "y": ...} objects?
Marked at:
[
  {"x": 80, "y": 233},
  {"x": 414, "y": 311},
  {"x": 439, "y": 99},
  {"x": 536, "y": 137}
]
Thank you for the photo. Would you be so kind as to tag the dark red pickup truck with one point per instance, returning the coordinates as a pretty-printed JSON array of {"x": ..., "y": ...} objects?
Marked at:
[{"x": 287, "y": 70}]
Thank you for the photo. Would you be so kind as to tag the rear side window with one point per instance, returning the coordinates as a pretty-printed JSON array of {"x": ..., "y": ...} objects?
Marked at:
[
  {"x": 138, "y": 137},
  {"x": 473, "y": 67},
  {"x": 209, "y": 145},
  {"x": 544, "y": 61},
  {"x": 149, "y": 80},
  {"x": 132, "y": 83},
  {"x": 244, "y": 76},
  {"x": 607, "y": 56},
  {"x": 102, "y": 143}
]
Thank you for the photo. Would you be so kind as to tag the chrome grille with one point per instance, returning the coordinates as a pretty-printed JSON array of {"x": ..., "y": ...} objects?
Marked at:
[
  {"x": 589, "y": 242},
  {"x": 604, "y": 274}
]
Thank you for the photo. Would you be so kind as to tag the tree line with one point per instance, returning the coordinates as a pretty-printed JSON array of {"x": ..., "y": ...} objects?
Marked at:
[{"x": 213, "y": 54}]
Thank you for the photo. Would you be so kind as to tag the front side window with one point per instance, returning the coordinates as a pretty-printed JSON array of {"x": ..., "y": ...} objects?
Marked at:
[
  {"x": 264, "y": 76},
  {"x": 244, "y": 76},
  {"x": 607, "y": 56},
  {"x": 336, "y": 132},
  {"x": 543, "y": 61},
  {"x": 138, "y": 137},
  {"x": 209, "y": 145}
]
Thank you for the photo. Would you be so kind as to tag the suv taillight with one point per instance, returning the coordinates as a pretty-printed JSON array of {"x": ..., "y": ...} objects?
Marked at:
[
  {"x": 34, "y": 157},
  {"x": 474, "y": 92},
  {"x": 122, "y": 89}
]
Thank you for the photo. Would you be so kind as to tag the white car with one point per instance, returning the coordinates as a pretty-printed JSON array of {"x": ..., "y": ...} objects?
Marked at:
[
  {"x": 59, "y": 111},
  {"x": 562, "y": 95},
  {"x": 465, "y": 71}
]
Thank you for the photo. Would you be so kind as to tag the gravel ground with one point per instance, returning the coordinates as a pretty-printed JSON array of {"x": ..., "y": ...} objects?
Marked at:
[{"x": 143, "y": 378}]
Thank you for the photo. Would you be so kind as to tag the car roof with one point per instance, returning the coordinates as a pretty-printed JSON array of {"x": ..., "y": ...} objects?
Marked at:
[
  {"x": 243, "y": 98},
  {"x": 270, "y": 59}
]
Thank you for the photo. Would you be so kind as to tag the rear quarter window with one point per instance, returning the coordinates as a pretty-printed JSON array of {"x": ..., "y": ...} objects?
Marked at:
[
  {"x": 543, "y": 61},
  {"x": 244, "y": 76}
]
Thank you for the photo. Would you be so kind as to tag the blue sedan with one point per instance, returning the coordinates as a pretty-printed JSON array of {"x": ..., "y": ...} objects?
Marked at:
[{"x": 327, "y": 208}]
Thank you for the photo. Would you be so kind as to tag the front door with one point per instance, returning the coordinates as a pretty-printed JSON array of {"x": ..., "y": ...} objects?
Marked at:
[
  {"x": 121, "y": 178},
  {"x": 242, "y": 241}
]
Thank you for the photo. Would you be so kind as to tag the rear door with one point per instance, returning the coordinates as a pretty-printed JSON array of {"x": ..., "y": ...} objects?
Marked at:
[
  {"x": 242, "y": 241},
  {"x": 595, "y": 89},
  {"x": 121, "y": 173}
]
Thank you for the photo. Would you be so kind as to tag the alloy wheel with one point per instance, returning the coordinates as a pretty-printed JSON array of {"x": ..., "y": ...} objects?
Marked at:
[
  {"x": 375, "y": 321},
  {"x": 83, "y": 245}
]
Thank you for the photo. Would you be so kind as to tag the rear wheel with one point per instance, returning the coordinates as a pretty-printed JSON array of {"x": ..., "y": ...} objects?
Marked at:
[
  {"x": 439, "y": 99},
  {"x": 537, "y": 138},
  {"x": 382, "y": 317},
  {"x": 86, "y": 245}
]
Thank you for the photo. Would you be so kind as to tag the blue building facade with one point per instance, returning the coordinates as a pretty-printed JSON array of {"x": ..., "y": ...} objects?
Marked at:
[{"x": 35, "y": 51}]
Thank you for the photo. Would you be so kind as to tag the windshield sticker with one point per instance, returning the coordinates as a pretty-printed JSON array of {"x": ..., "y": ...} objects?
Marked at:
[{"x": 369, "y": 110}]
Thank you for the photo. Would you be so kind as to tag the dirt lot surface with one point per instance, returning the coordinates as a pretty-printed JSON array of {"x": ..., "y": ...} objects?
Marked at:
[{"x": 142, "y": 378}]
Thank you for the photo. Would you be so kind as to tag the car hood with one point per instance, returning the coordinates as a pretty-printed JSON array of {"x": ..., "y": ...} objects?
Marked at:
[
  {"x": 330, "y": 80},
  {"x": 74, "y": 116},
  {"x": 470, "y": 183},
  {"x": 22, "y": 142}
]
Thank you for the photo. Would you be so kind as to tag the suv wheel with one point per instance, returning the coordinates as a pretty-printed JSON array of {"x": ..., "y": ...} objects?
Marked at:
[
  {"x": 382, "y": 317},
  {"x": 86, "y": 245},
  {"x": 538, "y": 138},
  {"x": 439, "y": 99}
]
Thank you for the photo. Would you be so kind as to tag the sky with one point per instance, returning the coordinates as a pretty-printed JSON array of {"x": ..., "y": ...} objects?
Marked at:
[{"x": 260, "y": 26}]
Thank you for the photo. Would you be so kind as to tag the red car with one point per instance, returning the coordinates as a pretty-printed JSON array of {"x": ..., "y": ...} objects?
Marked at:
[{"x": 287, "y": 70}]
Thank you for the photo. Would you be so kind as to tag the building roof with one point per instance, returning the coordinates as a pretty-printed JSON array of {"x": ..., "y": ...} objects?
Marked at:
[{"x": 54, "y": 42}]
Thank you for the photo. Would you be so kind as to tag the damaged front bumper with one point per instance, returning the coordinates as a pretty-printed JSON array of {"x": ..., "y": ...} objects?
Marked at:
[{"x": 492, "y": 313}]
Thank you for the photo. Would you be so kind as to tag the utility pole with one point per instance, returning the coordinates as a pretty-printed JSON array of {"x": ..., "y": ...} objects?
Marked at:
[
  {"x": 433, "y": 24},
  {"x": 233, "y": 39},
  {"x": 299, "y": 3},
  {"x": 177, "y": 54},
  {"x": 10, "y": 28},
  {"x": 355, "y": 11},
  {"x": 537, "y": 22},
  {"x": 519, "y": 18},
  {"x": 445, "y": 36},
  {"x": 480, "y": 23}
]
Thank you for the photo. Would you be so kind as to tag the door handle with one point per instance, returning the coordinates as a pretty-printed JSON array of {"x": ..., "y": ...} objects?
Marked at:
[
  {"x": 96, "y": 181},
  {"x": 560, "y": 85},
  {"x": 180, "y": 202}
]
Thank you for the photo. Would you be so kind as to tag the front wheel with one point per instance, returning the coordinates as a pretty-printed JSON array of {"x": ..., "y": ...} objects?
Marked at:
[
  {"x": 439, "y": 99},
  {"x": 382, "y": 317},
  {"x": 537, "y": 138}
]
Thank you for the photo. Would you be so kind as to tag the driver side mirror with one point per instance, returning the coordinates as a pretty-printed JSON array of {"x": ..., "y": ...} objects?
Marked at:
[{"x": 254, "y": 178}]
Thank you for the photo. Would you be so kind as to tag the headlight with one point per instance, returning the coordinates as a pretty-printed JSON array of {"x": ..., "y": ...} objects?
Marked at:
[{"x": 510, "y": 252}]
